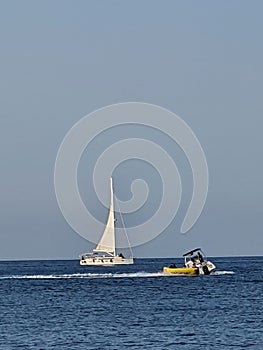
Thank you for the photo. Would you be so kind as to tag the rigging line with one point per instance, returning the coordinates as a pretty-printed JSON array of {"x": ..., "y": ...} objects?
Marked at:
[{"x": 125, "y": 231}]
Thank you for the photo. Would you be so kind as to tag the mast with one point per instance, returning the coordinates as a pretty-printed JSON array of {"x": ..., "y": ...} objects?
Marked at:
[{"x": 107, "y": 241}]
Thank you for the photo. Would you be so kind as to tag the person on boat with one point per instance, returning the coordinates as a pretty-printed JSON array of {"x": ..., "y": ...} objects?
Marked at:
[
  {"x": 120, "y": 255},
  {"x": 200, "y": 257},
  {"x": 172, "y": 266}
]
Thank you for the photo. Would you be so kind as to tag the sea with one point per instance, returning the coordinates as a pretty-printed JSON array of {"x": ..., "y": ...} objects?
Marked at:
[{"x": 62, "y": 305}]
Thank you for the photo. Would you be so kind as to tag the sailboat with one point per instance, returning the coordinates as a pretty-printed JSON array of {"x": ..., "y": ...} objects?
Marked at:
[{"x": 105, "y": 252}]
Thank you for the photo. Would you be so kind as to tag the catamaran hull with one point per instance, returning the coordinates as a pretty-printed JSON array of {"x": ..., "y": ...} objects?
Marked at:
[{"x": 106, "y": 261}]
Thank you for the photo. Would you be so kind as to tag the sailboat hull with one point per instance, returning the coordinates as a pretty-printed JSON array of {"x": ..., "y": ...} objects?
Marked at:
[{"x": 106, "y": 261}]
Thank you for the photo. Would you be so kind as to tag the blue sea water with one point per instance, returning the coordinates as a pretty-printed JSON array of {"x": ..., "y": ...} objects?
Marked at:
[{"x": 61, "y": 305}]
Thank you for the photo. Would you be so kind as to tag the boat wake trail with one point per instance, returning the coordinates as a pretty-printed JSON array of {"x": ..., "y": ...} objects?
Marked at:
[
  {"x": 86, "y": 275},
  {"x": 219, "y": 273},
  {"x": 101, "y": 275}
]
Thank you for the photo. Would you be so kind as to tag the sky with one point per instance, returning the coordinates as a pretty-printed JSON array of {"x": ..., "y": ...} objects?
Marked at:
[{"x": 61, "y": 60}]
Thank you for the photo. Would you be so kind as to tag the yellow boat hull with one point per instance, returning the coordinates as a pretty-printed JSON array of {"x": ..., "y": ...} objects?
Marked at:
[{"x": 181, "y": 270}]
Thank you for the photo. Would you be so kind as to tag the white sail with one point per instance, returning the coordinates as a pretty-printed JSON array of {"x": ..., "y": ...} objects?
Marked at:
[{"x": 107, "y": 241}]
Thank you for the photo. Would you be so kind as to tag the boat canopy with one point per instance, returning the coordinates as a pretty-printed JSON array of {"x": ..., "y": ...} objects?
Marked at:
[{"x": 192, "y": 252}]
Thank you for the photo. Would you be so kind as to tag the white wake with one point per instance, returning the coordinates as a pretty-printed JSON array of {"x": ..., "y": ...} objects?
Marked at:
[
  {"x": 219, "y": 273},
  {"x": 103, "y": 275},
  {"x": 87, "y": 275}
]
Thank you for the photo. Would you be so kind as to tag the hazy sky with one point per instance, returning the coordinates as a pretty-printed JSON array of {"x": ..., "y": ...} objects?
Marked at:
[{"x": 61, "y": 60}]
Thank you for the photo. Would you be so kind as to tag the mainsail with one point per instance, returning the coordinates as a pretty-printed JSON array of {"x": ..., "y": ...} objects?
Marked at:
[{"x": 107, "y": 241}]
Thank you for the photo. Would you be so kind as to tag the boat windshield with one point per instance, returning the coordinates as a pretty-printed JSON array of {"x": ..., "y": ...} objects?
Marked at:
[{"x": 196, "y": 256}]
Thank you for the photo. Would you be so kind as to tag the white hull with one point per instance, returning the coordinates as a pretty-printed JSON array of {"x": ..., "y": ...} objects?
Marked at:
[{"x": 106, "y": 261}]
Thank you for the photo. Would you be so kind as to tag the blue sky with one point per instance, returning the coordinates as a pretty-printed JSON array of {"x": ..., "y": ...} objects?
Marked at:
[{"x": 61, "y": 60}]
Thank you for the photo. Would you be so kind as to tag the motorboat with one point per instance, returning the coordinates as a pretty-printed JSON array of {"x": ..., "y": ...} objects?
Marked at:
[
  {"x": 105, "y": 253},
  {"x": 195, "y": 263}
]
